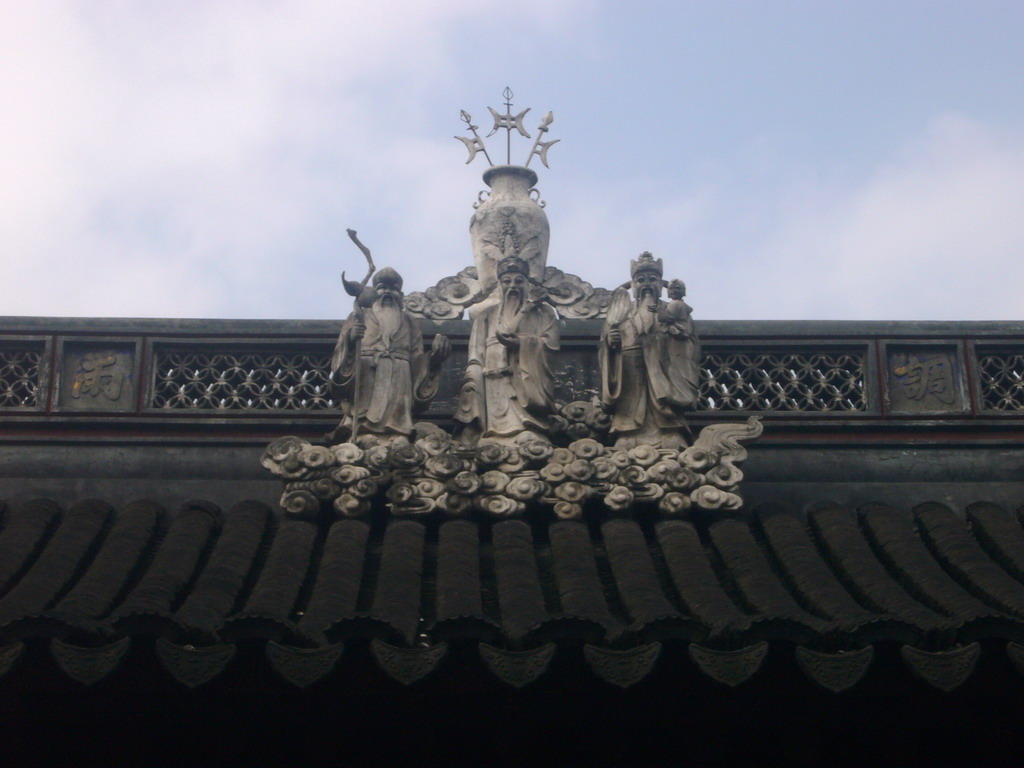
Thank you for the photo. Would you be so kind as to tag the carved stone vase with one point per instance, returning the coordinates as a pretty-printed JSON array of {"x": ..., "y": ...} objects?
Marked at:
[{"x": 509, "y": 222}]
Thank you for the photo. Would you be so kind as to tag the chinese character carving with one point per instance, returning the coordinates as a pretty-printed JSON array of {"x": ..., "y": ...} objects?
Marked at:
[
  {"x": 921, "y": 377},
  {"x": 100, "y": 375}
]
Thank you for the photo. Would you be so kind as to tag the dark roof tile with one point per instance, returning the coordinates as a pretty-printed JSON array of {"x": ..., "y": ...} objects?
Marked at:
[
  {"x": 458, "y": 592},
  {"x": 894, "y": 537},
  {"x": 219, "y": 588},
  {"x": 833, "y": 581},
  {"x": 107, "y": 576},
  {"x": 520, "y": 595},
  {"x": 23, "y": 536},
  {"x": 749, "y": 568},
  {"x": 580, "y": 591},
  {"x": 269, "y": 608},
  {"x": 699, "y": 588},
  {"x": 176, "y": 559},
  {"x": 1000, "y": 534},
  {"x": 339, "y": 578},
  {"x": 843, "y": 543},
  {"x": 397, "y": 598},
  {"x": 59, "y": 564},
  {"x": 806, "y": 570},
  {"x": 962, "y": 556},
  {"x": 634, "y": 572}
]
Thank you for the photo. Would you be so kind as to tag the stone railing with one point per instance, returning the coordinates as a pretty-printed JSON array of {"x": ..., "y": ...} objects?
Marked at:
[{"x": 244, "y": 370}]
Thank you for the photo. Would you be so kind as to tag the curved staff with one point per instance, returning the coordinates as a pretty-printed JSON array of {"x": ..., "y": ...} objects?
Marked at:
[{"x": 358, "y": 291}]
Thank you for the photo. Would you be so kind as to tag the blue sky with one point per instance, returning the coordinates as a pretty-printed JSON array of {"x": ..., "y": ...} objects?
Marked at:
[{"x": 789, "y": 160}]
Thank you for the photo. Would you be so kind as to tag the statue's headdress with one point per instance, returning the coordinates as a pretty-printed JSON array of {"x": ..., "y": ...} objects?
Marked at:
[
  {"x": 513, "y": 264},
  {"x": 389, "y": 277},
  {"x": 645, "y": 263}
]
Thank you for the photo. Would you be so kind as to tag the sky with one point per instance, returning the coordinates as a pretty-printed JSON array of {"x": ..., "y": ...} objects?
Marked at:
[{"x": 789, "y": 159}]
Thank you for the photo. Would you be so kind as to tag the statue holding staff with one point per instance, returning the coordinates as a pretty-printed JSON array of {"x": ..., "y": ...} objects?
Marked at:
[{"x": 379, "y": 365}]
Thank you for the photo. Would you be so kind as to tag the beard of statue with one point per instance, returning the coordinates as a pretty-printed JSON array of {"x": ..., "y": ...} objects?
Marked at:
[
  {"x": 389, "y": 315},
  {"x": 647, "y": 299},
  {"x": 508, "y": 317}
]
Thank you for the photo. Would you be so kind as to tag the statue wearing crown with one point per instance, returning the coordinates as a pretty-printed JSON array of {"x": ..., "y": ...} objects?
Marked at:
[
  {"x": 649, "y": 357},
  {"x": 507, "y": 393}
]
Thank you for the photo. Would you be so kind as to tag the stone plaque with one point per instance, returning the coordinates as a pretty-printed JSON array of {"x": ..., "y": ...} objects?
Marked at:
[
  {"x": 97, "y": 377},
  {"x": 925, "y": 379}
]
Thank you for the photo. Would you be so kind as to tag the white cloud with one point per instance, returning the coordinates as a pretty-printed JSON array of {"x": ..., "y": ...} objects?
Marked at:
[
  {"x": 935, "y": 234},
  {"x": 204, "y": 158},
  {"x": 187, "y": 158}
]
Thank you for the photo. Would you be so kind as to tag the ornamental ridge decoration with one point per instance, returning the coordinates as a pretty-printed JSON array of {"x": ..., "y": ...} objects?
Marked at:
[
  {"x": 515, "y": 449},
  {"x": 435, "y": 477}
]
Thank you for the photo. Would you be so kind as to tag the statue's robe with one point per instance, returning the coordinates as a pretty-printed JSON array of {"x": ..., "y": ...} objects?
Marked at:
[
  {"x": 505, "y": 391},
  {"x": 654, "y": 375},
  {"x": 395, "y": 380}
]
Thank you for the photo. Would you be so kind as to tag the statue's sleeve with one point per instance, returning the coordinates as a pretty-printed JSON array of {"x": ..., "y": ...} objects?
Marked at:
[
  {"x": 424, "y": 380},
  {"x": 470, "y": 406},
  {"x": 609, "y": 362},
  {"x": 534, "y": 382},
  {"x": 549, "y": 334}
]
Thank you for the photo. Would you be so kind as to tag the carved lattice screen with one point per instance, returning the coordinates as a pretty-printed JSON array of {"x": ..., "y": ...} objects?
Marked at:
[
  {"x": 257, "y": 380},
  {"x": 1001, "y": 375},
  {"x": 783, "y": 381},
  {"x": 19, "y": 375}
]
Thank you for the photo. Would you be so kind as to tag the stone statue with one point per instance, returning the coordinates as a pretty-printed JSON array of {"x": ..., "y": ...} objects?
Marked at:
[
  {"x": 508, "y": 390},
  {"x": 649, "y": 356},
  {"x": 380, "y": 368}
]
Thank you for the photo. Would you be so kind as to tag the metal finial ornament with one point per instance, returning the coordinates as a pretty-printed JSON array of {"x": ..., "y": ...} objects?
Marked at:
[
  {"x": 476, "y": 144},
  {"x": 508, "y": 121},
  {"x": 540, "y": 148}
]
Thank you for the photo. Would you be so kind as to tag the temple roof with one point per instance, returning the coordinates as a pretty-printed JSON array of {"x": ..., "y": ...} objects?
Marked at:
[
  {"x": 725, "y": 589},
  {"x": 878, "y": 554}
]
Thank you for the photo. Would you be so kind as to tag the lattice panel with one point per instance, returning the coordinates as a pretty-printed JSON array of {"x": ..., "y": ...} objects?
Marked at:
[
  {"x": 779, "y": 381},
  {"x": 19, "y": 377},
  {"x": 731, "y": 381},
  {"x": 260, "y": 380},
  {"x": 1002, "y": 381}
]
